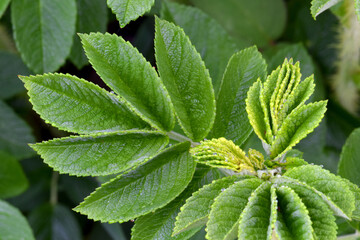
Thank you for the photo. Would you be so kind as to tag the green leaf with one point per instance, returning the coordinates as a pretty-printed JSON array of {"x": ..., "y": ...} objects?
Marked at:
[
  {"x": 319, "y": 6},
  {"x": 11, "y": 66},
  {"x": 231, "y": 120},
  {"x": 43, "y": 32},
  {"x": 75, "y": 105},
  {"x": 128, "y": 10},
  {"x": 127, "y": 72},
  {"x": 160, "y": 224},
  {"x": 349, "y": 165},
  {"x": 195, "y": 211},
  {"x": 3, "y": 6},
  {"x": 356, "y": 191},
  {"x": 13, "y": 224},
  {"x": 225, "y": 211},
  {"x": 186, "y": 78},
  {"x": 294, "y": 212},
  {"x": 91, "y": 17},
  {"x": 321, "y": 216},
  {"x": 281, "y": 230},
  {"x": 256, "y": 218},
  {"x": 329, "y": 184},
  {"x": 296, "y": 126},
  {"x": 357, "y": 8},
  {"x": 255, "y": 112},
  {"x": 145, "y": 189},
  {"x": 256, "y": 22},
  {"x": 100, "y": 154},
  {"x": 51, "y": 222},
  {"x": 15, "y": 134},
  {"x": 12, "y": 178},
  {"x": 209, "y": 38}
]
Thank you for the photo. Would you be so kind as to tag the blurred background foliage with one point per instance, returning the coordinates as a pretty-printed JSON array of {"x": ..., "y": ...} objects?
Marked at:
[{"x": 33, "y": 43}]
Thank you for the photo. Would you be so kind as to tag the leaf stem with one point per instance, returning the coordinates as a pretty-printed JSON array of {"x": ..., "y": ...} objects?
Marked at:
[
  {"x": 181, "y": 138},
  {"x": 54, "y": 188}
]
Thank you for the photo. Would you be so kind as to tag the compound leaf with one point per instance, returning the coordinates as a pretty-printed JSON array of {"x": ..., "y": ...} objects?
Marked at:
[
  {"x": 295, "y": 215},
  {"x": 210, "y": 39},
  {"x": 256, "y": 219},
  {"x": 145, "y": 189},
  {"x": 128, "y": 10},
  {"x": 329, "y": 184},
  {"x": 100, "y": 154},
  {"x": 243, "y": 69},
  {"x": 15, "y": 133},
  {"x": 319, "y": 6},
  {"x": 12, "y": 176},
  {"x": 186, "y": 78},
  {"x": 91, "y": 17},
  {"x": 126, "y": 71},
  {"x": 43, "y": 32},
  {"x": 321, "y": 216},
  {"x": 296, "y": 126},
  {"x": 195, "y": 211},
  {"x": 75, "y": 105},
  {"x": 225, "y": 211},
  {"x": 160, "y": 224},
  {"x": 13, "y": 224}
]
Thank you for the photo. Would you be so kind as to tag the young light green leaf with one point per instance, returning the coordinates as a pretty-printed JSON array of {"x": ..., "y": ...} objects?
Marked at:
[
  {"x": 296, "y": 126},
  {"x": 256, "y": 22},
  {"x": 329, "y": 184},
  {"x": 294, "y": 213},
  {"x": 128, "y": 10},
  {"x": 243, "y": 69},
  {"x": 43, "y": 32},
  {"x": 12, "y": 178},
  {"x": 160, "y": 224},
  {"x": 349, "y": 165},
  {"x": 100, "y": 154},
  {"x": 145, "y": 189},
  {"x": 91, "y": 17},
  {"x": 319, "y": 6},
  {"x": 186, "y": 78},
  {"x": 196, "y": 210},
  {"x": 75, "y": 105},
  {"x": 3, "y": 6},
  {"x": 257, "y": 217},
  {"x": 13, "y": 224},
  {"x": 210, "y": 39},
  {"x": 255, "y": 112},
  {"x": 281, "y": 231},
  {"x": 321, "y": 216},
  {"x": 50, "y": 222},
  {"x": 126, "y": 71},
  {"x": 11, "y": 65},
  {"x": 225, "y": 211},
  {"x": 15, "y": 133}
]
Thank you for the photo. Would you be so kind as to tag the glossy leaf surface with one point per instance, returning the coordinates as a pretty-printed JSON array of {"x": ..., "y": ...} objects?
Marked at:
[
  {"x": 209, "y": 38},
  {"x": 128, "y": 73},
  {"x": 75, "y": 105},
  {"x": 225, "y": 212},
  {"x": 186, "y": 78},
  {"x": 145, "y": 189},
  {"x": 100, "y": 154}
]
